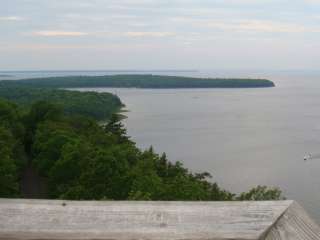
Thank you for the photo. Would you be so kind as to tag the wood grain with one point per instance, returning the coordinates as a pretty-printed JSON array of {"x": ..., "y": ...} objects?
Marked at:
[
  {"x": 84, "y": 220},
  {"x": 294, "y": 224}
]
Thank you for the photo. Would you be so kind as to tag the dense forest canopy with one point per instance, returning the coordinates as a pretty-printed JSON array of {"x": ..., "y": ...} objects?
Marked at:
[
  {"x": 99, "y": 106},
  {"x": 74, "y": 157},
  {"x": 139, "y": 81}
]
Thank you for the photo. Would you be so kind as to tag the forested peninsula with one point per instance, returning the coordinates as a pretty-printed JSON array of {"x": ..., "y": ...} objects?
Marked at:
[
  {"x": 99, "y": 106},
  {"x": 139, "y": 81}
]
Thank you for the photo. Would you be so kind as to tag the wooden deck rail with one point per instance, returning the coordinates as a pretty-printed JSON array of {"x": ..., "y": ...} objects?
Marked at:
[{"x": 113, "y": 220}]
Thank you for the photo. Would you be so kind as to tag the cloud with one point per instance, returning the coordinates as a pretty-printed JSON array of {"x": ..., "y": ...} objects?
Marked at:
[
  {"x": 10, "y": 18},
  {"x": 47, "y": 47},
  {"x": 262, "y": 26},
  {"x": 247, "y": 25},
  {"x": 149, "y": 34},
  {"x": 59, "y": 33}
]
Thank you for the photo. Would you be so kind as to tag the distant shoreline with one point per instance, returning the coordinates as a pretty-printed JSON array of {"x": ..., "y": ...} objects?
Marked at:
[{"x": 139, "y": 81}]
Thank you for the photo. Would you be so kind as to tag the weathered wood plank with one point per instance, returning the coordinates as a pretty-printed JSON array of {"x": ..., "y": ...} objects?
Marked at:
[
  {"x": 45, "y": 219},
  {"x": 294, "y": 224}
]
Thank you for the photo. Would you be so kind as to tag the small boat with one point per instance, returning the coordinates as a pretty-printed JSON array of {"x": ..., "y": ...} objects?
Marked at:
[{"x": 307, "y": 157}]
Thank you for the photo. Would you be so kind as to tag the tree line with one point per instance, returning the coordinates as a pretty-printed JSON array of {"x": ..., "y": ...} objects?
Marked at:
[
  {"x": 80, "y": 159},
  {"x": 99, "y": 106},
  {"x": 139, "y": 81}
]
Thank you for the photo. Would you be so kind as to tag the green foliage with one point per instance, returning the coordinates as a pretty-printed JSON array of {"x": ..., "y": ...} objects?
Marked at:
[
  {"x": 8, "y": 169},
  {"x": 99, "y": 106},
  {"x": 39, "y": 112},
  {"x": 10, "y": 121},
  {"x": 47, "y": 148},
  {"x": 116, "y": 128},
  {"x": 83, "y": 160},
  {"x": 146, "y": 183},
  {"x": 261, "y": 193},
  {"x": 139, "y": 81},
  {"x": 12, "y": 155}
]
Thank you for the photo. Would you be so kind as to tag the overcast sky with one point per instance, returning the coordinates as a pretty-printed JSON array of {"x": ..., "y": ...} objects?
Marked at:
[{"x": 159, "y": 34}]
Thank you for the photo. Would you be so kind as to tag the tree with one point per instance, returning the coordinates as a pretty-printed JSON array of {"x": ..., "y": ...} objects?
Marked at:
[
  {"x": 145, "y": 182},
  {"x": 9, "y": 186},
  {"x": 47, "y": 146},
  {"x": 261, "y": 193},
  {"x": 40, "y": 112},
  {"x": 116, "y": 128},
  {"x": 10, "y": 120}
]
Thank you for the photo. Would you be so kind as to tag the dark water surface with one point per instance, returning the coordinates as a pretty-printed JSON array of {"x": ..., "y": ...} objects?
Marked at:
[{"x": 244, "y": 137}]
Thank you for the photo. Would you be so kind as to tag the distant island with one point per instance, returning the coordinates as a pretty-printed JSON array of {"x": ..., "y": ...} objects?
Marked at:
[
  {"x": 139, "y": 81},
  {"x": 5, "y": 75}
]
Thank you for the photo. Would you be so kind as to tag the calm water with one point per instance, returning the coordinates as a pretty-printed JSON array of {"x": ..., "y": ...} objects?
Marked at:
[{"x": 244, "y": 137}]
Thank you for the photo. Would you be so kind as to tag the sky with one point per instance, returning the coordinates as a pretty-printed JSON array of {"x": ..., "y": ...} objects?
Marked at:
[{"x": 159, "y": 34}]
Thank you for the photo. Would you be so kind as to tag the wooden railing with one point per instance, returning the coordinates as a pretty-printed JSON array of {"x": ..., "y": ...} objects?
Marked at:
[{"x": 113, "y": 220}]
